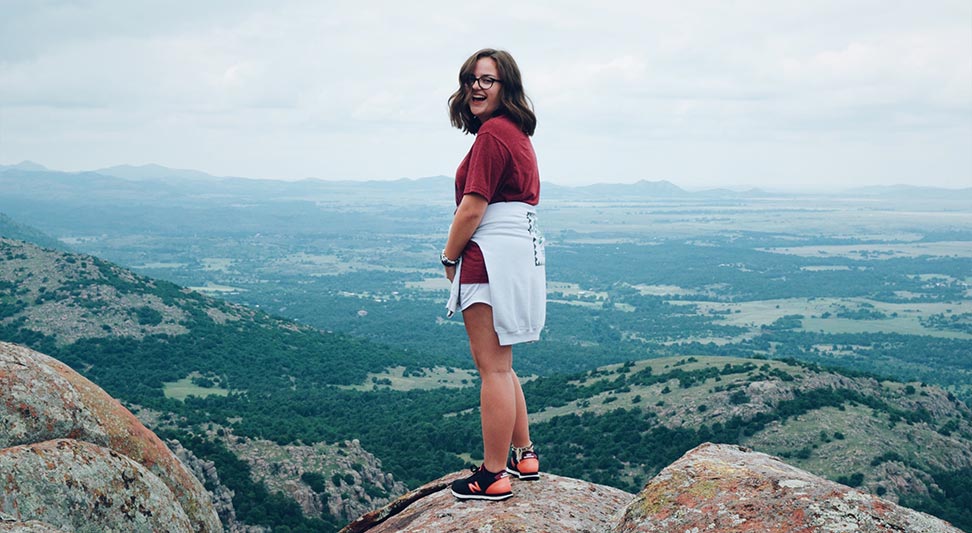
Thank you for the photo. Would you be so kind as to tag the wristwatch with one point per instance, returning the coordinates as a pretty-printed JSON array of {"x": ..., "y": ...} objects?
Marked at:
[{"x": 446, "y": 261}]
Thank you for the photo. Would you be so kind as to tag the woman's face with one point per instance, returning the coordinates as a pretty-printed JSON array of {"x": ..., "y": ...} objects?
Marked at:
[{"x": 484, "y": 102}]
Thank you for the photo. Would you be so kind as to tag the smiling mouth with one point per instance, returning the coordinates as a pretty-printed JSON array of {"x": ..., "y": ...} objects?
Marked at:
[{"x": 478, "y": 98}]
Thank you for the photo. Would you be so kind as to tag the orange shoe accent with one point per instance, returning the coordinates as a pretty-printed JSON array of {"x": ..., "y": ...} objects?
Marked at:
[
  {"x": 500, "y": 486},
  {"x": 474, "y": 487},
  {"x": 528, "y": 465}
]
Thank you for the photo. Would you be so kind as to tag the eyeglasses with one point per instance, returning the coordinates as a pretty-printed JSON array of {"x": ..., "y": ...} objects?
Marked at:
[{"x": 485, "y": 82}]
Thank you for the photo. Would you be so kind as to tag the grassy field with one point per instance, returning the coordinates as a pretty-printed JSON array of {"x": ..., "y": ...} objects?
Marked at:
[
  {"x": 160, "y": 265},
  {"x": 825, "y": 268},
  {"x": 903, "y": 318},
  {"x": 574, "y": 289},
  {"x": 664, "y": 290},
  {"x": 429, "y": 284},
  {"x": 217, "y": 264},
  {"x": 315, "y": 264},
  {"x": 182, "y": 389},
  {"x": 881, "y": 251},
  {"x": 579, "y": 303},
  {"x": 213, "y": 289},
  {"x": 901, "y": 325},
  {"x": 863, "y": 218},
  {"x": 432, "y": 378}
]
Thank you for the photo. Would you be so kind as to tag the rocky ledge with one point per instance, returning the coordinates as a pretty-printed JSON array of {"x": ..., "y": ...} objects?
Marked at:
[
  {"x": 723, "y": 488},
  {"x": 73, "y": 459},
  {"x": 715, "y": 488},
  {"x": 557, "y": 503}
]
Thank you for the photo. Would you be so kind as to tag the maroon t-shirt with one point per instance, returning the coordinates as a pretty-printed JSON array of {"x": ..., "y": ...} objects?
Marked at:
[{"x": 501, "y": 166}]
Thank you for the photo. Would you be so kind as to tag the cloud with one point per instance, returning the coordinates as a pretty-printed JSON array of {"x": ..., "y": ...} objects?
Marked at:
[{"x": 298, "y": 88}]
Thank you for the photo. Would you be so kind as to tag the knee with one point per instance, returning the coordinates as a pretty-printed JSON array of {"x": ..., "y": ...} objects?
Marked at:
[
  {"x": 488, "y": 372},
  {"x": 490, "y": 366},
  {"x": 492, "y": 358}
]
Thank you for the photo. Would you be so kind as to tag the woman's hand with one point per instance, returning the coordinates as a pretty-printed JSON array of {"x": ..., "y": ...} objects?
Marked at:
[{"x": 450, "y": 273}]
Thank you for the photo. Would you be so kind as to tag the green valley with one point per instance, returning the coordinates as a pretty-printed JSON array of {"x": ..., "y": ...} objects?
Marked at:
[{"x": 832, "y": 332}]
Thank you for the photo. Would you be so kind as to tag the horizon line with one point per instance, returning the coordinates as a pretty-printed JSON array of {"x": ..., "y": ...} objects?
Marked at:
[{"x": 696, "y": 188}]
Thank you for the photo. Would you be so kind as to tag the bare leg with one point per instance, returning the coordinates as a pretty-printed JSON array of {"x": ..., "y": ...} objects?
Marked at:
[
  {"x": 498, "y": 392},
  {"x": 521, "y": 429}
]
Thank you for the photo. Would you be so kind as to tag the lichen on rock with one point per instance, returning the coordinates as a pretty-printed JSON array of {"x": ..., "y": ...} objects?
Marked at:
[
  {"x": 42, "y": 400},
  {"x": 86, "y": 488},
  {"x": 722, "y": 488},
  {"x": 557, "y": 503}
]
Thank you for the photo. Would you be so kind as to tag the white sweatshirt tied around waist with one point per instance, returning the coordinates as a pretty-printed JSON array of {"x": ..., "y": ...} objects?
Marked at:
[{"x": 513, "y": 251}]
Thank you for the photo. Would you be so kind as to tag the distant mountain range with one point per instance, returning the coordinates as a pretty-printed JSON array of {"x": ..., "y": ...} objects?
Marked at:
[
  {"x": 152, "y": 172},
  {"x": 640, "y": 190},
  {"x": 910, "y": 191},
  {"x": 25, "y": 165}
]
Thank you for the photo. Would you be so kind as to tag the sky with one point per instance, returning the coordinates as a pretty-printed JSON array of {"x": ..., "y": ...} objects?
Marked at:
[{"x": 778, "y": 94}]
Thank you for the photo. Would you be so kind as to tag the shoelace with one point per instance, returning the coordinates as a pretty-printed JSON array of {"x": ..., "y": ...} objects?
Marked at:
[{"x": 518, "y": 453}]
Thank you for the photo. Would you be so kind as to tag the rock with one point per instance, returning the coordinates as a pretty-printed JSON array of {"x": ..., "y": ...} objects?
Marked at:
[
  {"x": 714, "y": 488},
  {"x": 361, "y": 483},
  {"x": 556, "y": 504},
  {"x": 32, "y": 526},
  {"x": 206, "y": 473},
  {"x": 39, "y": 404},
  {"x": 722, "y": 488},
  {"x": 899, "y": 478},
  {"x": 86, "y": 488},
  {"x": 41, "y": 399}
]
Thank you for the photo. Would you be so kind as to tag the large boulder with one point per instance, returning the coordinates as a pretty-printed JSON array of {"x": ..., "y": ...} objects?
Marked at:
[
  {"x": 721, "y": 488},
  {"x": 714, "y": 488},
  {"x": 42, "y": 400},
  {"x": 556, "y": 503},
  {"x": 87, "y": 488}
]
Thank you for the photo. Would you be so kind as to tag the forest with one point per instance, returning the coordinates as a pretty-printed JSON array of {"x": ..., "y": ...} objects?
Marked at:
[{"x": 344, "y": 290}]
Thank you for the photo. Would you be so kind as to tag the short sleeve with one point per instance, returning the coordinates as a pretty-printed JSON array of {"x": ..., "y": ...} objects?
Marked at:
[{"x": 489, "y": 160}]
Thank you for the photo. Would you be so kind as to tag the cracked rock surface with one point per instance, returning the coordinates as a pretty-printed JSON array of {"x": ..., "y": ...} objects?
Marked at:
[
  {"x": 554, "y": 504},
  {"x": 714, "y": 488},
  {"x": 92, "y": 462},
  {"x": 723, "y": 487}
]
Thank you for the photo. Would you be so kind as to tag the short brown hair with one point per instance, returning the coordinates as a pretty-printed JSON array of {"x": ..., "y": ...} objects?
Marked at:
[{"x": 514, "y": 102}]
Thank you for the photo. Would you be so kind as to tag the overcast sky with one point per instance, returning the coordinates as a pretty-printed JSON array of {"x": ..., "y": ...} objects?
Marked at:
[{"x": 771, "y": 93}]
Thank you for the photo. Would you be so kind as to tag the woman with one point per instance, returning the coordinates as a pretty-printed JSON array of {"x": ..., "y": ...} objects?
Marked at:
[{"x": 494, "y": 258}]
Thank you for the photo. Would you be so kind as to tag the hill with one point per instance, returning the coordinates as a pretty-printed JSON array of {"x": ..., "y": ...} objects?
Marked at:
[
  {"x": 257, "y": 386},
  {"x": 622, "y": 423},
  {"x": 152, "y": 172},
  {"x": 11, "y": 229},
  {"x": 24, "y": 165},
  {"x": 66, "y": 302},
  {"x": 639, "y": 189},
  {"x": 140, "y": 338}
]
